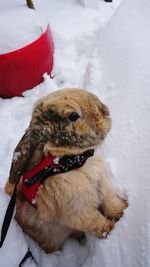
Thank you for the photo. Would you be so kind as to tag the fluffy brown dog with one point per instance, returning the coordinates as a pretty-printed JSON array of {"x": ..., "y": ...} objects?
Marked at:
[{"x": 68, "y": 121}]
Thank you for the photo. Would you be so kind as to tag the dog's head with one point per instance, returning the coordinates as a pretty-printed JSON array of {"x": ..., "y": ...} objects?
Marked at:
[{"x": 68, "y": 121}]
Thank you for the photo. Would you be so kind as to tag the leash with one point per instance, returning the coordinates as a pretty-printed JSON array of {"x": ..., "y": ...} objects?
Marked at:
[
  {"x": 8, "y": 216},
  {"x": 6, "y": 224},
  {"x": 7, "y": 221},
  {"x": 26, "y": 256}
]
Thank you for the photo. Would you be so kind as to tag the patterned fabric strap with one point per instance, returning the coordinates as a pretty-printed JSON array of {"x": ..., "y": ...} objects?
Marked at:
[
  {"x": 32, "y": 180},
  {"x": 60, "y": 165}
]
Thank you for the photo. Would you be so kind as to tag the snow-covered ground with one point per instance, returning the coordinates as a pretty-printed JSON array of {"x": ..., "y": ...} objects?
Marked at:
[{"x": 113, "y": 61}]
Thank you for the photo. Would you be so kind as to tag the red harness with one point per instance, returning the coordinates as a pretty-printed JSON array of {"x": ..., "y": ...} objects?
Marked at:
[
  {"x": 32, "y": 180},
  {"x": 30, "y": 193}
]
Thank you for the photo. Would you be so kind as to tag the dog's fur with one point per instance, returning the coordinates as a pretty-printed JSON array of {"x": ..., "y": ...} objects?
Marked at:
[{"x": 80, "y": 200}]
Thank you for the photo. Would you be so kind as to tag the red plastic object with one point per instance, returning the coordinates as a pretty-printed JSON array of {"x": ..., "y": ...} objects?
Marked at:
[{"x": 23, "y": 69}]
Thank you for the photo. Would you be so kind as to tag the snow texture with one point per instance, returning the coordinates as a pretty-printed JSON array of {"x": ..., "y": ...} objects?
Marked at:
[
  {"x": 111, "y": 59},
  {"x": 19, "y": 26},
  {"x": 89, "y": 3}
]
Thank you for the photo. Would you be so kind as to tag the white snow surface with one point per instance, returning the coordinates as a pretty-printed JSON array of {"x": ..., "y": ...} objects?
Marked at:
[
  {"x": 19, "y": 26},
  {"x": 111, "y": 59}
]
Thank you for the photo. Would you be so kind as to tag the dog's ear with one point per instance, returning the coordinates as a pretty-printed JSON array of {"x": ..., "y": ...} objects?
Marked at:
[{"x": 22, "y": 154}]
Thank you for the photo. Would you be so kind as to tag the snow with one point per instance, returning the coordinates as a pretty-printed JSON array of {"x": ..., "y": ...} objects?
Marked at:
[
  {"x": 16, "y": 156},
  {"x": 19, "y": 26},
  {"x": 89, "y": 3},
  {"x": 112, "y": 60}
]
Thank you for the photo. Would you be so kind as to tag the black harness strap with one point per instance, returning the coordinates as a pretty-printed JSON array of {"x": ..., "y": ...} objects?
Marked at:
[{"x": 65, "y": 164}]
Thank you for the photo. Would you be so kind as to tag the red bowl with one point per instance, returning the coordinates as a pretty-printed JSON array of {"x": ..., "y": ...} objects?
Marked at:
[{"x": 23, "y": 68}]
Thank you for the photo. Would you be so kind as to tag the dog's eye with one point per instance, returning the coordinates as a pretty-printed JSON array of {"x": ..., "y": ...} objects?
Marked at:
[{"x": 73, "y": 116}]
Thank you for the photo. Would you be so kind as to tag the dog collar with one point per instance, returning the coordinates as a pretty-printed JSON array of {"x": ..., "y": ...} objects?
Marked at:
[{"x": 32, "y": 180}]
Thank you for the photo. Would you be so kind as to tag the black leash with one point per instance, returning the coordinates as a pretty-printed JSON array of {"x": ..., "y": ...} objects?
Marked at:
[
  {"x": 8, "y": 215},
  {"x": 7, "y": 221},
  {"x": 27, "y": 256}
]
